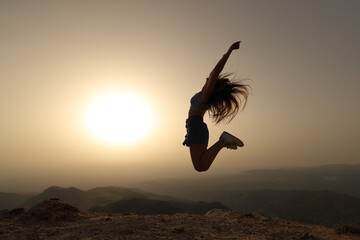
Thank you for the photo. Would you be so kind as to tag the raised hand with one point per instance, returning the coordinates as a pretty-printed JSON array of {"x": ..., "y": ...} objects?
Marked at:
[{"x": 235, "y": 45}]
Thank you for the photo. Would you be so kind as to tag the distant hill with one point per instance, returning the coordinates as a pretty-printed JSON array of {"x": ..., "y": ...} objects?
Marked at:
[
  {"x": 312, "y": 207},
  {"x": 72, "y": 195},
  {"x": 11, "y": 200},
  {"x": 99, "y": 196},
  {"x": 315, "y": 207},
  {"x": 335, "y": 178},
  {"x": 321, "y": 195},
  {"x": 151, "y": 206}
]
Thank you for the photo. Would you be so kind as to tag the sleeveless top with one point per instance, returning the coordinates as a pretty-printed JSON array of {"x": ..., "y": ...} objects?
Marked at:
[{"x": 196, "y": 104}]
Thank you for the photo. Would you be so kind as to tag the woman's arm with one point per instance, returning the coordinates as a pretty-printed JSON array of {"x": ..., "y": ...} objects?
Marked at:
[
  {"x": 214, "y": 75},
  {"x": 220, "y": 65}
]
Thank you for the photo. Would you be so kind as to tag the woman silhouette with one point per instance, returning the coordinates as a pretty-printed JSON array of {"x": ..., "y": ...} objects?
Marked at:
[{"x": 222, "y": 98}]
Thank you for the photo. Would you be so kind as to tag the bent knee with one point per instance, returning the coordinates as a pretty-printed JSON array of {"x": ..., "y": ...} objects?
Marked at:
[{"x": 200, "y": 168}]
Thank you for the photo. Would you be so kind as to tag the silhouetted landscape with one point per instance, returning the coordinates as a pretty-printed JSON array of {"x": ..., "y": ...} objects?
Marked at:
[
  {"x": 56, "y": 219},
  {"x": 259, "y": 204},
  {"x": 99, "y": 196},
  {"x": 325, "y": 195},
  {"x": 335, "y": 178}
]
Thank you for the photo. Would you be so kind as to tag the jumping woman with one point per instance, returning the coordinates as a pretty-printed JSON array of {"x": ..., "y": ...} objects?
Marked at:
[{"x": 223, "y": 98}]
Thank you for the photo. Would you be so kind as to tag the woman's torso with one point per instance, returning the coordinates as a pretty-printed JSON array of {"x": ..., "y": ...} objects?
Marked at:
[{"x": 197, "y": 108}]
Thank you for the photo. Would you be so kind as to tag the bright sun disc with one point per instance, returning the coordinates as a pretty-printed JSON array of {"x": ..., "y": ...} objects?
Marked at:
[{"x": 118, "y": 118}]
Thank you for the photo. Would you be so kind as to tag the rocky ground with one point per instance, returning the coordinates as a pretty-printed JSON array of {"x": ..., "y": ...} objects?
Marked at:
[{"x": 57, "y": 220}]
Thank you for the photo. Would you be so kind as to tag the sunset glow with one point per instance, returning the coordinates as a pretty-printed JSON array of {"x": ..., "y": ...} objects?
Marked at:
[{"x": 118, "y": 118}]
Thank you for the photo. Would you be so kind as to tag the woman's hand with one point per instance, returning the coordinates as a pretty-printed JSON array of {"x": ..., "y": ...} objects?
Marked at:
[{"x": 235, "y": 45}]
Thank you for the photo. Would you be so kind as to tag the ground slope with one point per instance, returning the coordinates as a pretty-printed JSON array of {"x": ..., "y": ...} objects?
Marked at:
[{"x": 215, "y": 224}]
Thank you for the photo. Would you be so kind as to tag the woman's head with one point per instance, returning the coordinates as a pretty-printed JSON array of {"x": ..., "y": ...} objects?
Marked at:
[{"x": 228, "y": 97}]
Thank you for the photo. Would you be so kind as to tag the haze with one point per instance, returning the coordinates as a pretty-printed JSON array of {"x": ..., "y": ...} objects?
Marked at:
[{"x": 56, "y": 56}]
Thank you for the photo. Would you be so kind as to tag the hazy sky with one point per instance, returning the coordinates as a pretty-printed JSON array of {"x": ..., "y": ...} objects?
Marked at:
[{"x": 57, "y": 56}]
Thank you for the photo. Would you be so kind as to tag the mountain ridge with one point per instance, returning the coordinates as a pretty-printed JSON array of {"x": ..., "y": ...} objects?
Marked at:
[
  {"x": 98, "y": 196},
  {"x": 341, "y": 178}
]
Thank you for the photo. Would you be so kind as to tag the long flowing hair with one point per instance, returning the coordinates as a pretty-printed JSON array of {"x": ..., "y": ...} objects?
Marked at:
[{"x": 228, "y": 97}]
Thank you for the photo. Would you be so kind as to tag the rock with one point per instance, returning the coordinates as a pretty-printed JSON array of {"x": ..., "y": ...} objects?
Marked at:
[{"x": 50, "y": 210}]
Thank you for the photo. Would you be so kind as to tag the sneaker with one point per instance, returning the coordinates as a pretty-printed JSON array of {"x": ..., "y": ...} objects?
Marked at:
[{"x": 230, "y": 141}]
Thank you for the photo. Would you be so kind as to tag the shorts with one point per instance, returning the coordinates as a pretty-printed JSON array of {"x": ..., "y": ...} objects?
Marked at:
[{"x": 197, "y": 131}]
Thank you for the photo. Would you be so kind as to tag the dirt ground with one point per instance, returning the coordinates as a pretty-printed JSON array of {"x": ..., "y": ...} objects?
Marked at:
[{"x": 216, "y": 224}]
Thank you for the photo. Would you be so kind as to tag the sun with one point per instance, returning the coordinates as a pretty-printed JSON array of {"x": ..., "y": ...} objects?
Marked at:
[{"x": 118, "y": 118}]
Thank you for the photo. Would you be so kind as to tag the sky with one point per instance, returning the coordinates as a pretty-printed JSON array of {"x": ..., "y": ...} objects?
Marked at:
[{"x": 56, "y": 57}]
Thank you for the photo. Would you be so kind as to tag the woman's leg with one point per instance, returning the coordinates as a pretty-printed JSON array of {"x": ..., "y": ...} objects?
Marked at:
[{"x": 201, "y": 157}]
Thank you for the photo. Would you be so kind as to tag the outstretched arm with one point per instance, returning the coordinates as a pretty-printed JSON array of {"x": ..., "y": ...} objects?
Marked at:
[
  {"x": 214, "y": 75},
  {"x": 220, "y": 65}
]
